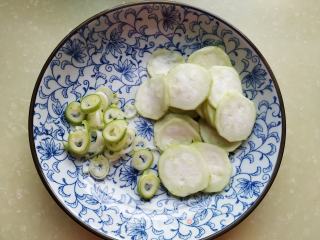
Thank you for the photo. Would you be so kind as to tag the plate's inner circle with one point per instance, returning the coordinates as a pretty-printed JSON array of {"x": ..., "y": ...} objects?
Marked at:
[{"x": 112, "y": 50}]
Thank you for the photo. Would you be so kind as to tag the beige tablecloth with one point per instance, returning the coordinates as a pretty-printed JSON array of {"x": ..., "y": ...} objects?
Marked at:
[{"x": 288, "y": 34}]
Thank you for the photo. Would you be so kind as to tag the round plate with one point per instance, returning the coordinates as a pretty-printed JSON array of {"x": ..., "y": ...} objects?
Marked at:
[{"x": 112, "y": 49}]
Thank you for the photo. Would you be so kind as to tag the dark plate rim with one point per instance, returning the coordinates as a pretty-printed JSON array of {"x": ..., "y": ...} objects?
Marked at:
[{"x": 71, "y": 33}]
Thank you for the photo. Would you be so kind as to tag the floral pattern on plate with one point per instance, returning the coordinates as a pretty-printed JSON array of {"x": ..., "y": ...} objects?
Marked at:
[{"x": 112, "y": 49}]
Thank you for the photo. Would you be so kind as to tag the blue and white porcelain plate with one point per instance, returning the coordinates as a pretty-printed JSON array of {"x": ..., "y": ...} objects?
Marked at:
[{"x": 112, "y": 49}]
